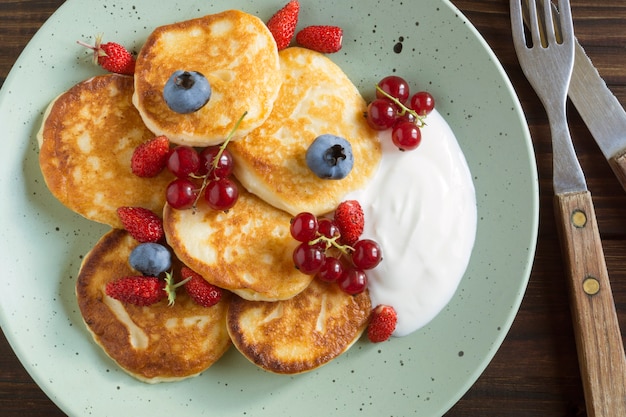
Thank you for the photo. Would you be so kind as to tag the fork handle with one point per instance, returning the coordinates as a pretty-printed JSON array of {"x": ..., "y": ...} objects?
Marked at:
[{"x": 598, "y": 338}]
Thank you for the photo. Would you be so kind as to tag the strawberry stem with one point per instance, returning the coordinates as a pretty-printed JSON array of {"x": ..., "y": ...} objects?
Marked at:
[
  {"x": 97, "y": 50},
  {"x": 171, "y": 286}
]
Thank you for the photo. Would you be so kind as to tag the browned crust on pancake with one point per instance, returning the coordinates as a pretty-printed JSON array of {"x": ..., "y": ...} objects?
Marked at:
[
  {"x": 316, "y": 98},
  {"x": 86, "y": 143},
  {"x": 172, "y": 353},
  {"x": 244, "y": 76},
  {"x": 247, "y": 250},
  {"x": 282, "y": 337}
]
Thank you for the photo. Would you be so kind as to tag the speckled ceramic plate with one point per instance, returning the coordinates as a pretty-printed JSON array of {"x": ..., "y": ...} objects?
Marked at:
[{"x": 428, "y": 42}]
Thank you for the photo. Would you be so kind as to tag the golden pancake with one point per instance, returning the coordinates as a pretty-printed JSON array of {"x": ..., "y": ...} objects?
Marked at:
[
  {"x": 300, "y": 334},
  {"x": 86, "y": 142},
  {"x": 247, "y": 250},
  {"x": 316, "y": 98},
  {"x": 235, "y": 52},
  {"x": 156, "y": 343}
]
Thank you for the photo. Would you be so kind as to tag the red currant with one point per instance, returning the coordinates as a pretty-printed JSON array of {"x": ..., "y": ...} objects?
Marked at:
[
  {"x": 367, "y": 254},
  {"x": 308, "y": 259},
  {"x": 183, "y": 161},
  {"x": 422, "y": 103},
  {"x": 221, "y": 194},
  {"x": 220, "y": 169},
  {"x": 327, "y": 227},
  {"x": 406, "y": 136},
  {"x": 303, "y": 227},
  {"x": 353, "y": 282},
  {"x": 395, "y": 86},
  {"x": 331, "y": 270},
  {"x": 381, "y": 114},
  {"x": 406, "y": 117},
  {"x": 181, "y": 193}
]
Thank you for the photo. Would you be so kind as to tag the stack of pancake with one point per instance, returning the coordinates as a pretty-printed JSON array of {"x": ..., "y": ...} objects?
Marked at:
[{"x": 280, "y": 319}]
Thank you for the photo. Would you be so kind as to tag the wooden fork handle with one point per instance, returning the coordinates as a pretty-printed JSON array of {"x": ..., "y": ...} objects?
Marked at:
[{"x": 598, "y": 337}]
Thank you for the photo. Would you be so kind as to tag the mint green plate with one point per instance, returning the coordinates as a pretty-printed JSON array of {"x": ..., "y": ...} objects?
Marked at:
[{"x": 428, "y": 42}]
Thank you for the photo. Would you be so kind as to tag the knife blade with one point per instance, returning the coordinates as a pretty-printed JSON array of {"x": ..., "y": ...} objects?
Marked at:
[{"x": 600, "y": 110}]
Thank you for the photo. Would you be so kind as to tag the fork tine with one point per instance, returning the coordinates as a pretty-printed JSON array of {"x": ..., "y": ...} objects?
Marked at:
[
  {"x": 565, "y": 21},
  {"x": 549, "y": 22},
  {"x": 533, "y": 23},
  {"x": 517, "y": 24}
]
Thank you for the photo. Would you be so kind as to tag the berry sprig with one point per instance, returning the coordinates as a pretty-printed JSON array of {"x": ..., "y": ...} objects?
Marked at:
[
  {"x": 403, "y": 111},
  {"x": 213, "y": 165},
  {"x": 199, "y": 290},
  {"x": 394, "y": 108},
  {"x": 322, "y": 252},
  {"x": 144, "y": 290},
  {"x": 111, "y": 56}
]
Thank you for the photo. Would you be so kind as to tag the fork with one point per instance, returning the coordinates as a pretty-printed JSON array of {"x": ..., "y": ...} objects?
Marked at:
[{"x": 547, "y": 60}]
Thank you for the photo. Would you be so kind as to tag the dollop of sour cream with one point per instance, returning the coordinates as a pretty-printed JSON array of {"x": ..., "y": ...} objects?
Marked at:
[{"x": 421, "y": 208}]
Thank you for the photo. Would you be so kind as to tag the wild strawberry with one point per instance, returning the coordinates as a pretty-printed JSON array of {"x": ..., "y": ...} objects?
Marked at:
[
  {"x": 201, "y": 291},
  {"x": 137, "y": 290},
  {"x": 112, "y": 56},
  {"x": 350, "y": 220},
  {"x": 324, "y": 39},
  {"x": 141, "y": 223},
  {"x": 283, "y": 23},
  {"x": 382, "y": 323},
  {"x": 150, "y": 157}
]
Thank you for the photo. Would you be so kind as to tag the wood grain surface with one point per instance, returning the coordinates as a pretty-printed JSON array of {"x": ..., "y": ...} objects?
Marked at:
[{"x": 535, "y": 371}]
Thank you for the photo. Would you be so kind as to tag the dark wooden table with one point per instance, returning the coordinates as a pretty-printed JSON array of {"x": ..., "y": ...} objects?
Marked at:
[{"x": 535, "y": 372}]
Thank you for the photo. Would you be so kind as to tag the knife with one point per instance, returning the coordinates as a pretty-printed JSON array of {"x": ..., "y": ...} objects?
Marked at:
[{"x": 600, "y": 110}]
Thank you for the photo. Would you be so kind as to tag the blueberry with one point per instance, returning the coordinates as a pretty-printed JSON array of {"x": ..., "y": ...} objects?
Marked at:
[
  {"x": 186, "y": 91},
  {"x": 330, "y": 157},
  {"x": 150, "y": 259}
]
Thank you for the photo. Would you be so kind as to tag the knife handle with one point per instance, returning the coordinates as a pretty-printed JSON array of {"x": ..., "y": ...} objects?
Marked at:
[
  {"x": 598, "y": 338},
  {"x": 618, "y": 164}
]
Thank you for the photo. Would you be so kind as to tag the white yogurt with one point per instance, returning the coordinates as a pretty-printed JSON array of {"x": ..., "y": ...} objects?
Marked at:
[{"x": 421, "y": 208}]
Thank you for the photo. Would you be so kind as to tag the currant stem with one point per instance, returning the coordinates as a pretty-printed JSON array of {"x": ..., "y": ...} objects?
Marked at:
[
  {"x": 344, "y": 249},
  {"x": 404, "y": 109},
  {"x": 230, "y": 135},
  {"x": 205, "y": 178}
]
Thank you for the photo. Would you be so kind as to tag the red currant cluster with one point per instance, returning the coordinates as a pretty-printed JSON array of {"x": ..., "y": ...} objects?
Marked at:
[
  {"x": 322, "y": 254},
  {"x": 213, "y": 165},
  {"x": 394, "y": 108}
]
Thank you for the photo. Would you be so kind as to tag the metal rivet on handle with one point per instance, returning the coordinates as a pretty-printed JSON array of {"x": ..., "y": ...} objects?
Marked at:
[
  {"x": 579, "y": 218},
  {"x": 591, "y": 286}
]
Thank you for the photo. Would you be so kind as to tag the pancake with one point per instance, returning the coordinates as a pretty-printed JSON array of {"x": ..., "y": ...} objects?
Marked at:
[
  {"x": 235, "y": 52},
  {"x": 156, "y": 343},
  {"x": 247, "y": 250},
  {"x": 86, "y": 141},
  {"x": 300, "y": 334},
  {"x": 316, "y": 98}
]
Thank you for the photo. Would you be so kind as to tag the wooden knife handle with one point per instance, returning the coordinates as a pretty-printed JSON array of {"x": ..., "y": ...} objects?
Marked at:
[
  {"x": 598, "y": 338},
  {"x": 618, "y": 164}
]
